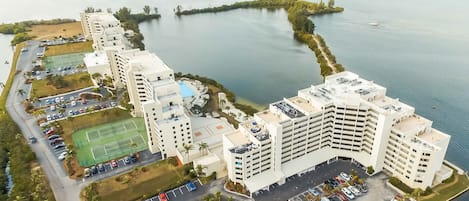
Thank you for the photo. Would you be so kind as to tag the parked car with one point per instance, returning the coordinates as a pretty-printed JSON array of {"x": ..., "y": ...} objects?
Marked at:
[
  {"x": 62, "y": 156},
  {"x": 73, "y": 103},
  {"x": 53, "y": 137},
  {"x": 133, "y": 158},
  {"x": 87, "y": 172},
  {"x": 348, "y": 193},
  {"x": 191, "y": 186},
  {"x": 163, "y": 197},
  {"x": 62, "y": 99},
  {"x": 113, "y": 104},
  {"x": 127, "y": 160},
  {"x": 345, "y": 176},
  {"x": 72, "y": 98},
  {"x": 354, "y": 190},
  {"x": 314, "y": 192},
  {"x": 101, "y": 167},
  {"x": 57, "y": 100},
  {"x": 59, "y": 146},
  {"x": 94, "y": 170},
  {"x": 113, "y": 163},
  {"x": 52, "y": 108},
  {"x": 70, "y": 112},
  {"x": 49, "y": 118}
]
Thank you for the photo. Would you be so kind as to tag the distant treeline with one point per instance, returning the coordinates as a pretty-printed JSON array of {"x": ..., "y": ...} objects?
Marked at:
[
  {"x": 298, "y": 15},
  {"x": 20, "y": 28},
  {"x": 130, "y": 22},
  {"x": 237, "y": 5}
]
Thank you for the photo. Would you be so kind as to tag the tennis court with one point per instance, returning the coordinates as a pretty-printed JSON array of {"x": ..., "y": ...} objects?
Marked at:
[
  {"x": 52, "y": 63},
  {"x": 110, "y": 141}
]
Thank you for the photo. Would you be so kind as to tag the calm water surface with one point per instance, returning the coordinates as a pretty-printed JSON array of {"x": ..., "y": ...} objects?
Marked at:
[{"x": 418, "y": 51}]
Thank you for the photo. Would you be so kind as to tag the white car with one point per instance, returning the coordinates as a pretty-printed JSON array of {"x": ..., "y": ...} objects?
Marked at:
[
  {"x": 72, "y": 98},
  {"x": 57, "y": 100},
  {"x": 62, "y": 155},
  {"x": 348, "y": 193},
  {"x": 354, "y": 190},
  {"x": 48, "y": 117},
  {"x": 52, "y": 108},
  {"x": 345, "y": 176},
  {"x": 70, "y": 113},
  {"x": 62, "y": 99},
  {"x": 73, "y": 103}
]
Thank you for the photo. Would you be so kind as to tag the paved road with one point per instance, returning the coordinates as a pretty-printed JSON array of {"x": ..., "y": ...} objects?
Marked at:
[{"x": 63, "y": 187}]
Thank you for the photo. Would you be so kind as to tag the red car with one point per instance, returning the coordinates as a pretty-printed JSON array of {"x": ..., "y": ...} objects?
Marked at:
[
  {"x": 163, "y": 197},
  {"x": 113, "y": 163}
]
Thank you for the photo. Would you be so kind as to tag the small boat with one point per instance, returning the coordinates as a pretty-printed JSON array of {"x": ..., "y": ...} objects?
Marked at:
[
  {"x": 433, "y": 107},
  {"x": 6, "y": 62},
  {"x": 373, "y": 23}
]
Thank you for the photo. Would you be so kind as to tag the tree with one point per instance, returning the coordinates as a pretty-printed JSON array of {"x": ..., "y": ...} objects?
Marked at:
[
  {"x": 155, "y": 9},
  {"x": 39, "y": 113},
  {"x": 2, "y": 85},
  {"x": 187, "y": 148},
  {"x": 178, "y": 9},
  {"x": 20, "y": 92},
  {"x": 230, "y": 198},
  {"x": 203, "y": 147},
  {"x": 326, "y": 188},
  {"x": 416, "y": 193},
  {"x": 370, "y": 170},
  {"x": 218, "y": 195},
  {"x": 199, "y": 170},
  {"x": 61, "y": 110},
  {"x": 146, "y": 10},
  {"x": 89, "y": 10},
  {"x": 123, "y": 14},
  {"x": 331, "y": 3}
]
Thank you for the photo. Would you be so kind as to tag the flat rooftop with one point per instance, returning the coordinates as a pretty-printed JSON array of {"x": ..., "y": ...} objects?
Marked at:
[
  {"x": 268, "y": 116},
  {"x": 411, "y": 123},
  {"x": 303, "y": 104},
  {"x": 149, "y": 63},
  {"x": 433, "y": 136},
  {"x": 96, "y": 59},
  {"x": 209, "y": 130},
  {"x": 237, "y": 138}
]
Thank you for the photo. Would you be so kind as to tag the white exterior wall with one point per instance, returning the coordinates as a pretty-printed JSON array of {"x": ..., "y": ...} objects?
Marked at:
[{"x": 346, "y": 117}]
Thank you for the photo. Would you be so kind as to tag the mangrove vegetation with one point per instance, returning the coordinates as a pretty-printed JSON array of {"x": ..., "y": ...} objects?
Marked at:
[{"x": 298, "y": 15}]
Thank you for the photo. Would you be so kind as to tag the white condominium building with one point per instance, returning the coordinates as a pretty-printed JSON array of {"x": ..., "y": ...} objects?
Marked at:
[
  {"x": 156, "y": 96},
  {"x": 346, "y": 116},
  {"x": 105, "y": 31}
]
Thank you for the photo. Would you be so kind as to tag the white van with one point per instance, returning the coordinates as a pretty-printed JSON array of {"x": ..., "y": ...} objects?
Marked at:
[{"x": 354, "y": 190}]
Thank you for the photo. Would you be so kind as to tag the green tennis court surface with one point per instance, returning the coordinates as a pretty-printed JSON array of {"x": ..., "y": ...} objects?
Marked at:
[
  {"x": 109, "y": 141},
  {"x": 52, "y": 63}
]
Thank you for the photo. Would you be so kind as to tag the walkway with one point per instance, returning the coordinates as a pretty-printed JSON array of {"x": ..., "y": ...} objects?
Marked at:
[{"x": 321, "y": 48}]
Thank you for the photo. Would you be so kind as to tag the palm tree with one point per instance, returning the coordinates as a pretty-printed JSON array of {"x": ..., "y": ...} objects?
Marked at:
[
  {"x": 61, "y": 110},
  {"x": 230, "y": 198},
  {"x": 326, "y": 188},
  {"x": 20, "y": 92},
  {"x": 187, "y": 148},
  {"x": 218, "y": 195},
  {"x": 416, "y": 193},
  {"x": 199, "y": 170},
  {"x": 39, "y": 113},
  {"x": 203, "y": 147}
]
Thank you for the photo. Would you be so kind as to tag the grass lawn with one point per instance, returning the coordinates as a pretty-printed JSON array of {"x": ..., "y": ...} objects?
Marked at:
[
  {"x": 446, "y": 191},
  {"x": 41, "y": 88},
  {"x": 142, "y": 182},
  {"x": 11, "y": 76},
  {"x": 65, "y": 30},
  {"x": 69, "y": 48},
  {"x": 110, "y": 141}
]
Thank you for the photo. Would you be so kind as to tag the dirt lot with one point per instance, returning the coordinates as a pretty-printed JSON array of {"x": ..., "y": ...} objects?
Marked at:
[{"x": 42, "y": 32}]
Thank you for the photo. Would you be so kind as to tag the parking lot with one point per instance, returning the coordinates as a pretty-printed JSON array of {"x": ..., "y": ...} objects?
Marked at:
[
  {"x": 297, "y": 185},
  {"x": 182, "y": 193},
  {"x": 71, "y": 103}
]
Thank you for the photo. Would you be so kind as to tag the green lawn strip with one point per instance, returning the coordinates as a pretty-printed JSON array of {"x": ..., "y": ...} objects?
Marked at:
[
  {"x": 41, "y": 88},
  {"x": 446, "y": 191},
  {"x": 160, "y": 176},
  {"x": 69, "y": 48},
  {"x": 11, "y": 76}
]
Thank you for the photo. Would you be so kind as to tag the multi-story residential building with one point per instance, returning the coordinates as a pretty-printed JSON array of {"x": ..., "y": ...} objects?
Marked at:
[
  {"x": 156, "y": 96},
  {"x": 105, "y": 31},
  {"x": 346, "y": 116}
]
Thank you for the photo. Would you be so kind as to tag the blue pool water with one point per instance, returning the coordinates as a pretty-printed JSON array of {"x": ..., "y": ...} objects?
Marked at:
[{"x": 185, "y": 90}]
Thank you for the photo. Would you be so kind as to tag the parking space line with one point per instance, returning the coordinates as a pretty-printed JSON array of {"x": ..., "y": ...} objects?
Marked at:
[
  {"x": 181, "y": 190},
  {"x": 199, "y": 181},
  {"x": 174, "y": 193}
]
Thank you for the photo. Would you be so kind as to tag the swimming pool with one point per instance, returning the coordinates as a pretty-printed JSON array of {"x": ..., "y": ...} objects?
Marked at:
[{"x": 185, "y": 90}]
